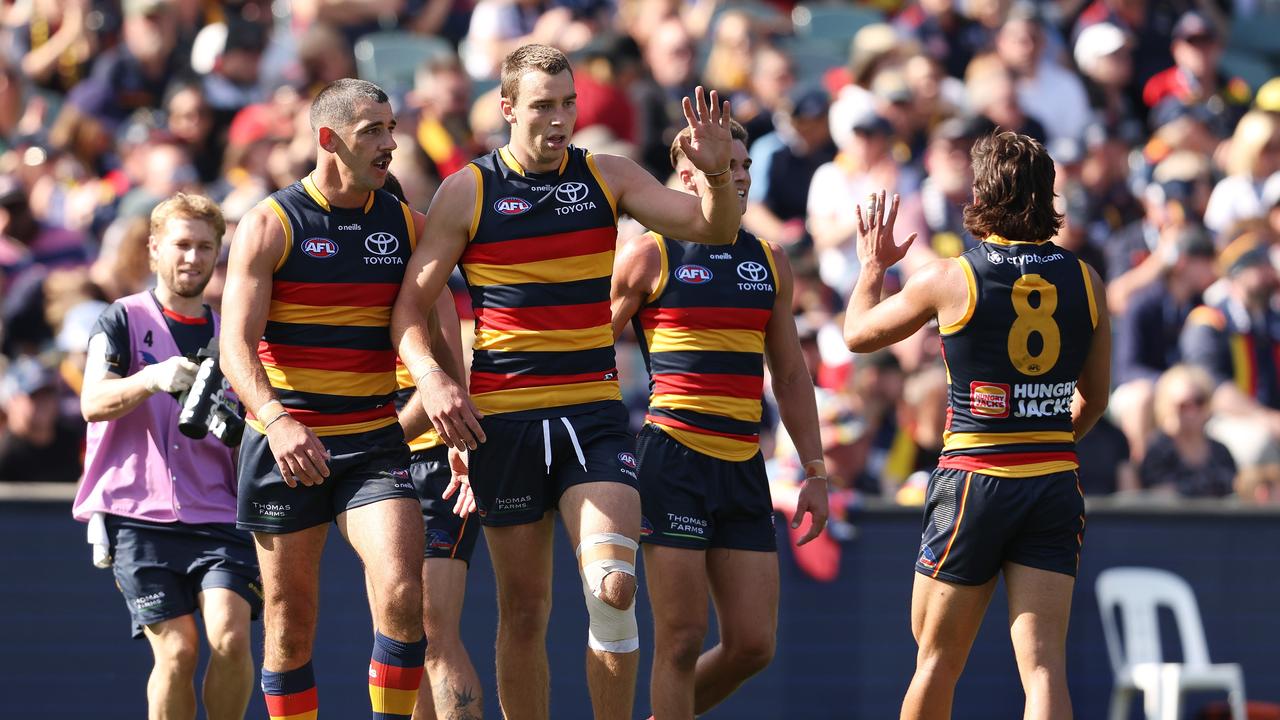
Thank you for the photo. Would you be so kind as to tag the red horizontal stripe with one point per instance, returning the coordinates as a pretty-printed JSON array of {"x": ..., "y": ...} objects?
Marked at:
[
  {"x": 542, "y": 247},
  {"x": 184, "y": 319},
  {"x": 294, "y": 704},
  {"x": 339, "y": 359},
  {"x": 706, "y": 318},
  {"x": 672, "y": 422},
  {"x": 735, "y": 386},
  {"x": 981, "y": 462},
  {"x": 312, "y": 418},
  {"x": 553, "y": 317},
  {"x": 330, "y": 294},
  {"x": 394, "y": 676},
  {"x": 482, "y": 382}
]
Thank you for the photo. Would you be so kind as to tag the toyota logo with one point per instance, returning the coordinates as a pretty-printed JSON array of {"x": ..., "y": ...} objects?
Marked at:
[
  {"x": 752, "y": 271},
  {"x": 381, "y": 243},
  {"x": 571, "y": 192}
]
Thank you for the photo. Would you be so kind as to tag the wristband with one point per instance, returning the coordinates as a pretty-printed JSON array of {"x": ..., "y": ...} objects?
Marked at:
[
  {"x": 717, "y": 174},
  {"x": 270, "y": 422},
  {"x": 262, "y": 411},
  {"x": 821, "y": 467},
  {"x": 432, "y": 369},
  {"x": 814, "y": 477}
]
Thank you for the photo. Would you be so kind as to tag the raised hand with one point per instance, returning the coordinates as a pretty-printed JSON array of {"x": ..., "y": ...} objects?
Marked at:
[
  {"x": 709, "y": 145},
  {"x": 877, "y": 249}
]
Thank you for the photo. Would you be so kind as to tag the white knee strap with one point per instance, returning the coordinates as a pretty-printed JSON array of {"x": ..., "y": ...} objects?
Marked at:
[{"x": 610, "y": 630}]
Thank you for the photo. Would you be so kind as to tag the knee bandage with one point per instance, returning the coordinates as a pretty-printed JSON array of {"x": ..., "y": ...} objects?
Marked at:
[{"x": 599, "y": 555}]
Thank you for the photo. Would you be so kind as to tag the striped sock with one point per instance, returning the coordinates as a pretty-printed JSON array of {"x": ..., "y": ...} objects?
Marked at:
[
  {"x": 291, "y": 695},
  {"x": 394, "y": 673}
]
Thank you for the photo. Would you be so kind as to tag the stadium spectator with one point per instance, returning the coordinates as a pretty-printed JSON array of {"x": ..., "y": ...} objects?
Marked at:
[
  {"x": 500, "y": 26},
  {"x": 36, "y": 443},
  {"x": 159, "y": 504},
  {"x": 783, "y": 163},
  {"x": 1056, "y": 93},
  {"x": 947, "y": 186},
  {"x": 1149, "y": 327},
  {"x": 945, "y": 33},
  {"x": 1104, "y": 55},
  {"x": 1236, "y": 339},
  {"x": 671, "y": 57},
  {"x": 441, "y": 98},
  {"x": 54, "y": 44},
  {"x": 227, "y": 56},
  {"x": 1252, "y": 157},
  {"x": 27, "y": 243},
  {"x": 189, "y": 119},
  {"x": 1195, "y": 79},
  {"x": 605, "y": 71},
  {"x": 993, "y": 94},
  {"x": 772, "y": 80},
  {"x": 1182, "y": 458},
  {"x": 733, "y": 44}
]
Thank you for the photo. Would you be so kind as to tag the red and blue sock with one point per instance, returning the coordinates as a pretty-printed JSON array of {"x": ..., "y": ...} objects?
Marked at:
[
  {"x": 291, "y": 695},
  {"x": 395, "y": 670}
]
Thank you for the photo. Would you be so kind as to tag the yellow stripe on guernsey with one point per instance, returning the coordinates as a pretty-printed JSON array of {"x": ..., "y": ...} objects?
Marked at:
[
  {"x": 330, "y": 382},
  {"x": 555, "y": 270},
  {"x": 972, "y": 282},
  {"x": 544, "y": 340},
  {"x": 331, "y": 430},
  {"x": 714, "y": 445},
  {"x": 330, "y": 315},
  {"x": 969, "y": 441},
  {"x": 515, "y": 399},
  {"x": 1030, "y": 469},
  {"x": 1242, "y": 364},
  {"x": 428, "y": 439},
  {"x": 747, "y": 409},
  {"x": 1088, "y": 291},
  {"x": 673, "y": 340}
]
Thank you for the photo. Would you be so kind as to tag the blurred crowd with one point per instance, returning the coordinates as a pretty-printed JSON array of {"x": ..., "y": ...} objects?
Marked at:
[{"x": 1163, "y": 117}]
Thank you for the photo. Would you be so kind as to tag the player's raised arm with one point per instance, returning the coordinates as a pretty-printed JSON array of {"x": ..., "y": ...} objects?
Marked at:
[
  {"x": 258, "y": 247},
  {"x": 444, "y": 237},
  {"x": 637, "y": 269},
  {"x": 712, "y": 219}
]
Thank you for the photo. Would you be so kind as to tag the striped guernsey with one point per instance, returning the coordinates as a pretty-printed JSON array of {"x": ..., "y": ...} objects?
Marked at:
[
  {"x": 703, "y": 331},
  {"x": 538, "y": 266},
  {"x": 327, "y": 347}
]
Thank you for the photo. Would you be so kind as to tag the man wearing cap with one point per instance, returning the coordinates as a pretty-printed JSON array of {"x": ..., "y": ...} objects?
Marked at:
[
  {"x": 161, "y": 505},
  {"x": 948, "y": 185},
  {"x": 1054, "y": 93},
  {"x": 1194, "y": 79},
  {"x": 784, "y": 162},
  {"x": 1236, "y": 338},
  {"x": 36, "y": 445},
  {"x": 1147, "y": 330},
  {"x": 1104, "y": 55}
]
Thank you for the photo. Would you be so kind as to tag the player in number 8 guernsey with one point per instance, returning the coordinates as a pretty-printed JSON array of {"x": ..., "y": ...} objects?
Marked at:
[{"x": 1026, "y": 341}]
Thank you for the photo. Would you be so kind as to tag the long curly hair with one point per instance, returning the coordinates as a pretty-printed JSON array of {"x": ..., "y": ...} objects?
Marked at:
[{"x": 1012, "y": 189}]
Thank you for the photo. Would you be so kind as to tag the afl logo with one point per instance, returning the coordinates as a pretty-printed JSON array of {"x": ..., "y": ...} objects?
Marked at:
[
  {"x": 571, "y": 192},
  {"x": 513, "y": 206},
  {"x": 752, "y": 271},
  {"x": 381, "y": 243},
  {"x": 319, "y": 247},
  {"x": 693, "y": 274},
  {"x": 627, "y": 459}
]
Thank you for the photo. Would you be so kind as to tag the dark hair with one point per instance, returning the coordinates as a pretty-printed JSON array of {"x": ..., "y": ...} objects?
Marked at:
[
  {"x": 736, "y": 132},
  {"x": 333, "y": 106},
  {"x": 1012, "y": 189},
  {"x": 542, "y": 58}
]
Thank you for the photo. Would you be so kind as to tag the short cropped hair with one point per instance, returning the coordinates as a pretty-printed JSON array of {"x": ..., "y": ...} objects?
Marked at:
[
  {"x": 332, "y": 107},
  {"x": 1012, "y": 189},
  {"x": 190, "y": 207},
  {"x": 736, "y": 132},
  {"x": 542, "y": 58}
]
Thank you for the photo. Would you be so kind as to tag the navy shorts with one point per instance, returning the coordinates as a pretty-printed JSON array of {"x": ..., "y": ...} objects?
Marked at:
[
  {"x": 161, "y": 568},
  {"x": 363, "y": 469},
  {"x": 523, "y": 467},
  {"x": 692, "y": 500},
  {"x": 448, "y": 536},
  {"x": 974, "y": 523}
]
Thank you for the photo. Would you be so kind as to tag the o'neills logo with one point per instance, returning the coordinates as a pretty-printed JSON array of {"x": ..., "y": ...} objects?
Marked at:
[{"x": 989, "y": 399}]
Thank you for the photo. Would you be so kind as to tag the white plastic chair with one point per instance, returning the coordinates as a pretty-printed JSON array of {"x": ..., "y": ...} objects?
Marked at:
[{"x": 1137, "y": 662}]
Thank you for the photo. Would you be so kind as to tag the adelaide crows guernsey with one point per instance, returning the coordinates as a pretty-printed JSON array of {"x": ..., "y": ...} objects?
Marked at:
[
  {"x": 1014, "y": 358},
  {"x": 327, "y": 344},
  {"x": 538, "y": 267},
  {"x": 429, "y": 437},
  {"x": 703, "y": 332}
]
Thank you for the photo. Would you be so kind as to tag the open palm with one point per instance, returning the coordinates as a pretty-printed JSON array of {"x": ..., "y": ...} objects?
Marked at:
[{"x": 709, "y": 144}]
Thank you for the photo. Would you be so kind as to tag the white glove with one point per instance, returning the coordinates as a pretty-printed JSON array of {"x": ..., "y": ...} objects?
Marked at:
[
  {"x": 173, "y": 375},
  {"x": 97, "y": 537}
]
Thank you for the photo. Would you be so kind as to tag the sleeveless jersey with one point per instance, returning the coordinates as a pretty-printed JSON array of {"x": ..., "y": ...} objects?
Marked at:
[
  {"x": 327, "y": 345},
  {"x": 404, "y": 381},
  {"x": 702, "y": 335},
  {"x": 1014, "y": 358},
  {"x": 538, "y": 267}
]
